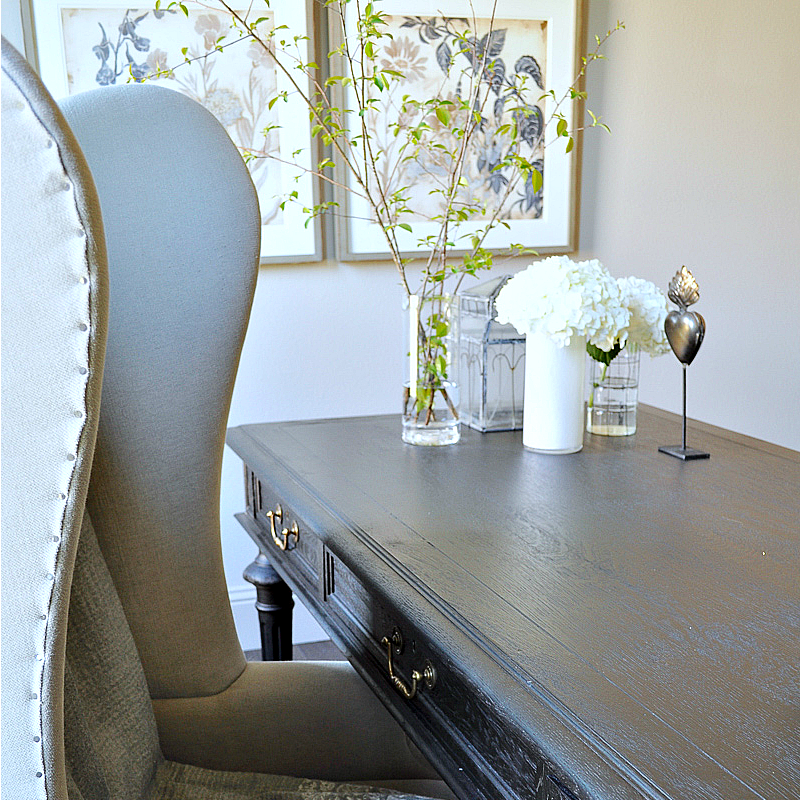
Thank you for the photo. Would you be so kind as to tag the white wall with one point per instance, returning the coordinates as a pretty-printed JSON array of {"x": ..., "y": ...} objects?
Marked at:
[
  {"x": 325, "y": 340},
  {"x": 12, "y": 23},
  {"x": 703, "y": 169}
]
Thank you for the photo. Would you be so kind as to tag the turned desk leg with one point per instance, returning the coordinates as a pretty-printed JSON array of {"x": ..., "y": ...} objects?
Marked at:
[{"x": 274, "y": 605}]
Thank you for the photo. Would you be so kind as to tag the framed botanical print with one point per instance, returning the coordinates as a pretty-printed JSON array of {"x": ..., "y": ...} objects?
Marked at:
[
  {"x": 86, "y": 44},
  {"x": 434, "y": 54}
]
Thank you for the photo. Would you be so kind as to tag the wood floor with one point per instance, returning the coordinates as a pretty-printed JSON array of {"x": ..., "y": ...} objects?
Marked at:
[{"x": 310, "y": 651}]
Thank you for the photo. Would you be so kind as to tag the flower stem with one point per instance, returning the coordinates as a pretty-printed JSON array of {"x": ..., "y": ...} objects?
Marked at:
[{"x": 597, "y": 384}]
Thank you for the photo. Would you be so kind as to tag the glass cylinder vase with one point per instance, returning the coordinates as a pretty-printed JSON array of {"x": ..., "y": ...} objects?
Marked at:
[
  {"x": 431, "y": 392},
  {"x": 552, "y": 421},
  {"x": 614, "y": 394}
]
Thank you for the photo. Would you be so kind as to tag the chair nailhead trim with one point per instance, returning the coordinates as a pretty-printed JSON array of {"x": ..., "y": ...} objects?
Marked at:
[{"x": 59, "y": 181}]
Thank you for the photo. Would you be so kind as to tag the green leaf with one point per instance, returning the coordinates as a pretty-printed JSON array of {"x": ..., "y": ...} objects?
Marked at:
[
  {"x": 442, "y": 115},
  {"x": 561, "y": 128},
  {"x": 570, "y": 144},
  {"x": 405, "y": 226},
  {"x": 424, "y": 396},
  {"x": 601, "y": 355}
]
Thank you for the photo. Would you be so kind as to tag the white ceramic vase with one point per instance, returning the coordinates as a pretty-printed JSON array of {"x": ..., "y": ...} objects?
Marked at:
[{"x": 553, "y": 420}]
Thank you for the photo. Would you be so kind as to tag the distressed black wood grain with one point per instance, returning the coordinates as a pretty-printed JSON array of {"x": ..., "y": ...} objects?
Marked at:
[{"x": 634, "y": 617}]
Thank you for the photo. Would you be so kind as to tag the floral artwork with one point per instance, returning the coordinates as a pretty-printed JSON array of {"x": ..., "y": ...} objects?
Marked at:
[
  {"x": 105, "y": 46},
  {"x": 438, "y": 57}
]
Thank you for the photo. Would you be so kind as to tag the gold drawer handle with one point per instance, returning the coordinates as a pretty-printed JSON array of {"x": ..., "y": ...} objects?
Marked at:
[
  {"x": 282, "y": 539},
  {"x": 427, "y": 676},
  {"x": 293, "y": 531}
]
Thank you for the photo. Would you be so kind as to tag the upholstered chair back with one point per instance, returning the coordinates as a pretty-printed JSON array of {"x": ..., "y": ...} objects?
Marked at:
[
  {"x": 54, "y": 303},
  {"x": 182, "y": 271}
]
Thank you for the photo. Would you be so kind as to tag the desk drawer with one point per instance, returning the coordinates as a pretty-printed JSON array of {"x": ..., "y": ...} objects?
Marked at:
[
  {"x": 446, "y": 711},
  {"x": 416, "y": 678},
  {"x": 285, "y": 539}
]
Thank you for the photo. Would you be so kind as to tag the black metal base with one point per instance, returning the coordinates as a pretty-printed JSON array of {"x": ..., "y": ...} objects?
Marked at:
[{"x": 683, "y": 453}]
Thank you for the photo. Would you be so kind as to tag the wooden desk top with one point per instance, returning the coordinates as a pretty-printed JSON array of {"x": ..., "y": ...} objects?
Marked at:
[{"x": 637, "y": 616}]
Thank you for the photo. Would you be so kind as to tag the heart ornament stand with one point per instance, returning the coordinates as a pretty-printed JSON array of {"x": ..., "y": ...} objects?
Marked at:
[{"x": 685, "y": 332}]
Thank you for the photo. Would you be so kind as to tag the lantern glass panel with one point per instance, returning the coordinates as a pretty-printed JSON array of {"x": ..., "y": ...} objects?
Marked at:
[{"x": 492, "y": 362}]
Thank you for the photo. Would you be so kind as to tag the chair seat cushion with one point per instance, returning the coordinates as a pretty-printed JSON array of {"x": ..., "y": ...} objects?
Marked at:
[
  {"x": 174, "y": 781},
  {"x": 112, "y": 744}
]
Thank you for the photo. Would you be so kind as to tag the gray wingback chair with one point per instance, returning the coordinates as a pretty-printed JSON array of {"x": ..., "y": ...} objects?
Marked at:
[{"x": 122, "y": 674}]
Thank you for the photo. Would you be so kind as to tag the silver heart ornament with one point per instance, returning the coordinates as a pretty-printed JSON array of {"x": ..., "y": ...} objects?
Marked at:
[{"x": 685, "y": 331}]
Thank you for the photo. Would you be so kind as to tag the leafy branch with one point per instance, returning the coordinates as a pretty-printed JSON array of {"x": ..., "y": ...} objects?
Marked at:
[{"x": 486, "y": 136}]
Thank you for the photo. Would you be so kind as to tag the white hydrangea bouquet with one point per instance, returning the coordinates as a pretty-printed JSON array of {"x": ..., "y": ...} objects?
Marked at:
[
  {"x": 561, "y": 299},
  {"x": 648, "y": 308},
  {"x": 564, "y": 308}
]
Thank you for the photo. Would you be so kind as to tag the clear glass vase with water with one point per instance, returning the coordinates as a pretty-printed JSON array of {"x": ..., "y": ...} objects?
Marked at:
[
  {"x": 613, "y": 394},
  {"x": 431, "y": 391}
]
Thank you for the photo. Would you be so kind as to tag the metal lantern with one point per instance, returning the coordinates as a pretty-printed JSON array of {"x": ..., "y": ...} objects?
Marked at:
[{"x": 491, "y": 361}]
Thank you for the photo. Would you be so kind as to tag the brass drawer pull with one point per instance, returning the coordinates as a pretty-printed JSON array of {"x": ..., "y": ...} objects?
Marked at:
[
  {"x": 282, "y": 539},
  {"x": 427, "y": 676}
]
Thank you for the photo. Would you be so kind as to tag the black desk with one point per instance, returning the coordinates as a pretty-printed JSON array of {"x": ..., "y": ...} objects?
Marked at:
[{"x": 611, "y": 624}]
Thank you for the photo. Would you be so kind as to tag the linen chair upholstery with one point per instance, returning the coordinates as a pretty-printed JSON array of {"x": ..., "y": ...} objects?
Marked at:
[
  {"x": 182, "y": 228},
  {"x": 181, "y": 222},
  {"x": 54, "y": 296},
  {"x": 226, "y": 714}
]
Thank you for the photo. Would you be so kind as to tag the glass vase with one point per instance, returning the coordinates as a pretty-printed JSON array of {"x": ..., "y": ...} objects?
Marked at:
[
  {"x": 431, "y": 392},
  {"x": 613, "y": 395}
]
